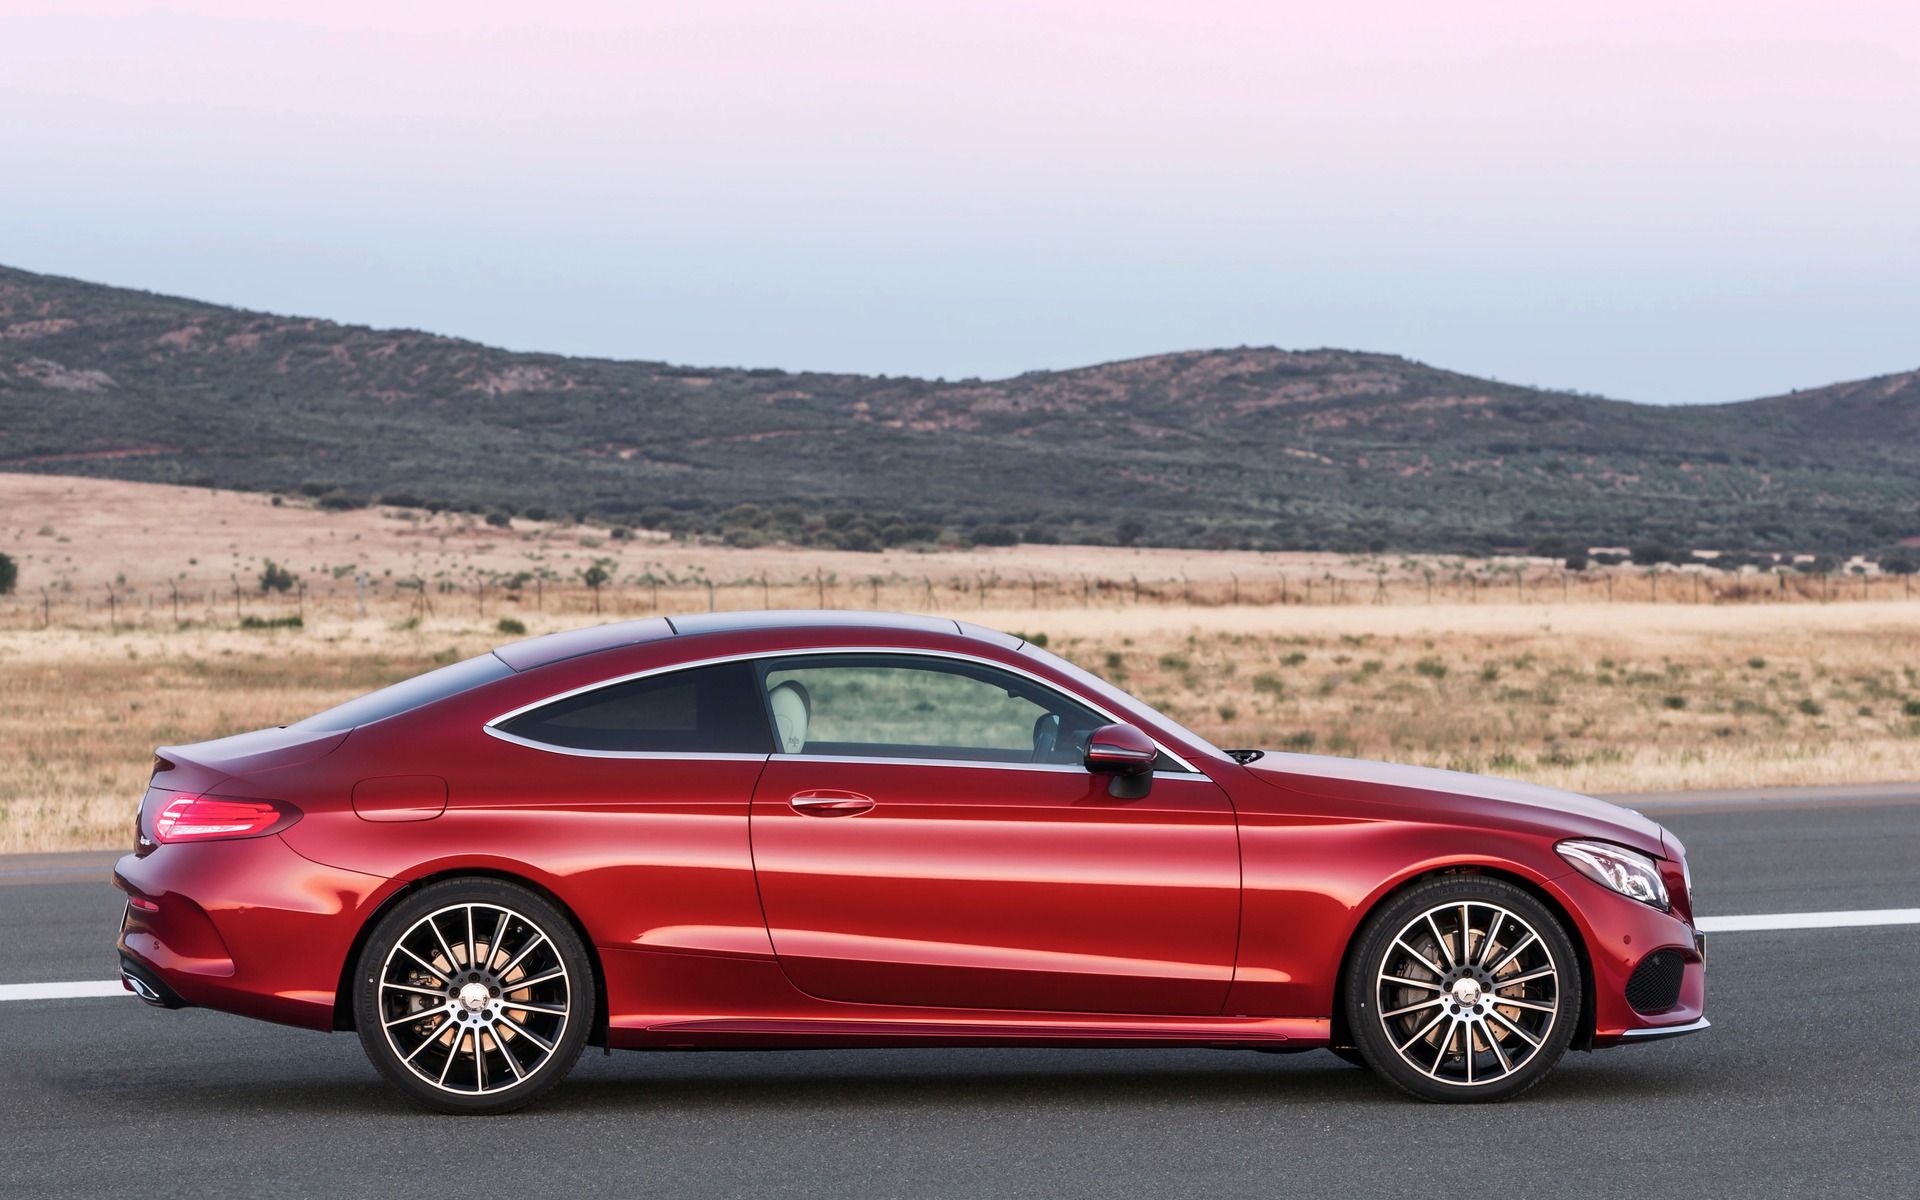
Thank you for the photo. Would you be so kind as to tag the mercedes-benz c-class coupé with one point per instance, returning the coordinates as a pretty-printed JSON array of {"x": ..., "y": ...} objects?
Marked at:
[{"x": 842, "y": 829}]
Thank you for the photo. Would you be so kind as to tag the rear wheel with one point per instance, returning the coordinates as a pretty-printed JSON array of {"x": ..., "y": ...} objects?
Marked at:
[
  {"x": 474, "y": 996},
  {"x": 1465, "y": 989}
]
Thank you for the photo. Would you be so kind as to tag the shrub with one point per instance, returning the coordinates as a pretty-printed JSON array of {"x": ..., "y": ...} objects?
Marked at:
[
  {"x": 272, "y": 623},
  {"x": 9, "y": 574},
  {"x": 1576, "y": 561},
  {"x": 511, "y": 626},
  {"x": 1910, "y": 707},
  {"x": 621, "y": 533},
  {"x": 1810, "y": 706},
  {"x": 1675, "y": 702},
  {"x": 276, "y": 578},
  {"x": 1550, "y": 545},
  {"x": 1431, "y": 667},
  {"x": 341, "y": 501},
  {"x": 1651, "y": 554},
  {"x": 499, "y": 518},
  {"x": 1270, "y": 683},
  {"x": 1129, "y": 531},
  {"x": 994, "y": 535}
]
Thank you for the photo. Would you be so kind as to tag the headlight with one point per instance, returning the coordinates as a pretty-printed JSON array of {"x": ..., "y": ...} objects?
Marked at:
[{"x": 1626, "y": 871}]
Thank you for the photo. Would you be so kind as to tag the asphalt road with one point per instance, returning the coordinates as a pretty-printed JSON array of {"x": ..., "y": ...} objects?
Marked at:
[{"x": 1806, "y": 1086}]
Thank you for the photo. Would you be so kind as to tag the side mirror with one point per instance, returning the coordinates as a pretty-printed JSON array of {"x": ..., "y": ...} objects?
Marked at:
[{"x": 1127, "y": 755}]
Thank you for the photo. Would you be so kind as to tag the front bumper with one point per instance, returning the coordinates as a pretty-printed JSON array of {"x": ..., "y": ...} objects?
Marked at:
[
  {"x": 1654, "y": 1033},
  {"x": 1619, "y": 934}
]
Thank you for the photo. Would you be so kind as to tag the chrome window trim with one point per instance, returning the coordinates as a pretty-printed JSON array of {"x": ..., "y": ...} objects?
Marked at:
[
  {"x": 492, "y": 727},
  {"x": 583, "y": 752}
]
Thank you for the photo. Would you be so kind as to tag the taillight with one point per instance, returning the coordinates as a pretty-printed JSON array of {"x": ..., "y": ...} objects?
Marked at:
[{"x": 204, "y": 818}]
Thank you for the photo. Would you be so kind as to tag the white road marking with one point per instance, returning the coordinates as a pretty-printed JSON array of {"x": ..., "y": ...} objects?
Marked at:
[
  {"x": 1758, "y": 922},
  {"x": 62, "y": 991},
  {"x": 1755, "y": 923}
]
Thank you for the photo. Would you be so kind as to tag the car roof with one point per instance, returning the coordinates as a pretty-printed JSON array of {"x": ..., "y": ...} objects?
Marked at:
[{"x": 591, "y": 639}]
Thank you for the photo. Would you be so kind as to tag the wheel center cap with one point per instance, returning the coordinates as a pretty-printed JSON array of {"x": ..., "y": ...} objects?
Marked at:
[
  {"x": 1466, "y": 992},
  {"x": 473, "y": 997}
]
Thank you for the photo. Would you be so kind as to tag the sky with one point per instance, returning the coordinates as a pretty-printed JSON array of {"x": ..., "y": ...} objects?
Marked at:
[{"x": 1666, "y": 201}]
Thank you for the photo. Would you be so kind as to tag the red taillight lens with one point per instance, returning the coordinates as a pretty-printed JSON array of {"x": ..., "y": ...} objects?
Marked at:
[{"x": 203, "y": 818}]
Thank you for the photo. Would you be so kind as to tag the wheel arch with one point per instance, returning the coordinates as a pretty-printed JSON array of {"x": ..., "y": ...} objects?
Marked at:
[
  {"x": 343, "y": 1019},
  {"x": 1340, "y": 1035}
]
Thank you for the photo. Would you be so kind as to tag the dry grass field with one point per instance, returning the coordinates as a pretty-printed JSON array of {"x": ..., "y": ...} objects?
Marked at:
[
  {"x": 1514, "y": 673},
  {"x": 1596, "y": 699}
]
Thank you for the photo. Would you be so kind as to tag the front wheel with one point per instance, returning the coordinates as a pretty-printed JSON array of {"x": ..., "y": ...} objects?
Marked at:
[
  {"x": 474, "y": 996},
  {"x": 1465, "y": 989}
]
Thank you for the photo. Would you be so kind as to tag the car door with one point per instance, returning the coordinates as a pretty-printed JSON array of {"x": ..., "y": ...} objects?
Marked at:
[{"x": 925, "y": 834}]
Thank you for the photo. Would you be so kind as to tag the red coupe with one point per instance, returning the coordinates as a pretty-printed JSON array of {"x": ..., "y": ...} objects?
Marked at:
[{"x": 849, "y": 829}]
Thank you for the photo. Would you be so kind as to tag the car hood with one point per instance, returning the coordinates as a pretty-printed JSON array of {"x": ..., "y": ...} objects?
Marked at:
[{"x": 1455, "y": 795}]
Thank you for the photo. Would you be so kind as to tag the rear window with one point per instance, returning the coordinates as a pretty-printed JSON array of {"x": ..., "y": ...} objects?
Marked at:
[
  {"x": 408, "y": 694},
  {"x": 704, "y": 710}
]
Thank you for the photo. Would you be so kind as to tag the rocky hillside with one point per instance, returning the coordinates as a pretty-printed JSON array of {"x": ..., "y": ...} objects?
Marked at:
[{"x": 1247, "y": 447}]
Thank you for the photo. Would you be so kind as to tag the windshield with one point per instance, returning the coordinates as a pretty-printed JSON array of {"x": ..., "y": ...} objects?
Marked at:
[
  {"x": 408, "y": 694},
  {"x": 1116, "y": 698}
]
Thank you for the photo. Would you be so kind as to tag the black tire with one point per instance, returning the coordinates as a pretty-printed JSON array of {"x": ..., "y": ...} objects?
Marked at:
[
  {"x": 474, "y": 996},
  {"x": 1426, "y": 1001}
]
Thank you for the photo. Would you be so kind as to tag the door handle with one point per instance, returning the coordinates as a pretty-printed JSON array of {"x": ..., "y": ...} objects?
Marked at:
[{"x": 829, "y": 802}]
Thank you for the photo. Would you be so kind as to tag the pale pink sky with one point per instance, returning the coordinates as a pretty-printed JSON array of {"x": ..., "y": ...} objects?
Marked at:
[{"x": 1659, "y": 201}]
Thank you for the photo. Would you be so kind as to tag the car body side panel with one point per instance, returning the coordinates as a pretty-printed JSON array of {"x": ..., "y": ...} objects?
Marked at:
[
  {"x": 1006, "y": 888},
  {"x": 648, "y": 853}
]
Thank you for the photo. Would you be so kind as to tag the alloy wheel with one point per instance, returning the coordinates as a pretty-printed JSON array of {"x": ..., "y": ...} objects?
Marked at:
[
  {"x": 1468, "y": 993},
  {"x": 474, "y": 999}
]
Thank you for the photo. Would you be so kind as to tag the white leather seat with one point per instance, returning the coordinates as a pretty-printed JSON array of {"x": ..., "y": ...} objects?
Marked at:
[{"x": 792, "y": 711}]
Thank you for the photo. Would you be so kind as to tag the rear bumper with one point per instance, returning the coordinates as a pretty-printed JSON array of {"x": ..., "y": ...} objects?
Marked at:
[{"x": 245, "y": 926}]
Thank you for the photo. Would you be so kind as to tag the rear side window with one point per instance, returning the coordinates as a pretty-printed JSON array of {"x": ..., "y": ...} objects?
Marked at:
[
  {"x": 408, "y": 694},
  {"x": 706, "y": 710}
]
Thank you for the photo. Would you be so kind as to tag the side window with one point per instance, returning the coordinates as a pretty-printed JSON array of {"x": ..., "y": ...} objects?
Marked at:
[
  {"x": 901, "y": 706},
  {"x": 706, "y": 710}
]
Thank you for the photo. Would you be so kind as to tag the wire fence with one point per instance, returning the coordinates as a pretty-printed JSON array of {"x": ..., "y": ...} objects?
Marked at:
[{"x": 240, "y": 603}]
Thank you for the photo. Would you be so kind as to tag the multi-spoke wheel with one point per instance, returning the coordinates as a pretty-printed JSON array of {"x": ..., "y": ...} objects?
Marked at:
[
  {"x": 475, "y": 996},
  {"x": 1465, "y": 988}
]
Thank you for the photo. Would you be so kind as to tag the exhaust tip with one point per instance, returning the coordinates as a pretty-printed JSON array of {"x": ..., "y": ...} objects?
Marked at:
[{"x": 139, "y": 980}]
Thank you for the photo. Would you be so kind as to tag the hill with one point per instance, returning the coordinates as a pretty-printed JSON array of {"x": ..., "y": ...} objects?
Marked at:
[{"x": 1250, "y": 447}]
